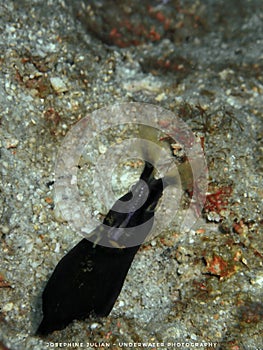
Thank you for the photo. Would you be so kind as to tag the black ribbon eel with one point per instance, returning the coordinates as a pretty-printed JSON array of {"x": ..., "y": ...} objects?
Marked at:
[{"x": 88, "y": 279}]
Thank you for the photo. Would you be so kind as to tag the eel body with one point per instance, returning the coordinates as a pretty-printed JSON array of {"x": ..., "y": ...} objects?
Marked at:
[{"x": 88, "y": 279}]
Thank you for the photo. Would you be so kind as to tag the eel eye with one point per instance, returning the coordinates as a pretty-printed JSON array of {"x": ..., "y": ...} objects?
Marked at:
[{"x": 132, "y": 187}]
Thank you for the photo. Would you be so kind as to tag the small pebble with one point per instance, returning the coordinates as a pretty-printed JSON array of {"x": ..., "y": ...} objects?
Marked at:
[
  {"x": 121, "y": 303},
  {"x": 12, "y": 143},
  {"x": 58, "y": 84},
  {"x": 5, "y": 229},
  {"x": 8, "y": 307},
  {"x": 19, "y": 197},
  {"x": 94, "y": 326},
  {"x": 102, "y": 149},
  {"x": 160, "y": 97},
  {"x": 57, "y": 248}
]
